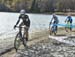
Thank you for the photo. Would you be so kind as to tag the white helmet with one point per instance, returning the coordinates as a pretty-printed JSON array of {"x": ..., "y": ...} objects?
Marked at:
[{"x": 22, "y": 11}]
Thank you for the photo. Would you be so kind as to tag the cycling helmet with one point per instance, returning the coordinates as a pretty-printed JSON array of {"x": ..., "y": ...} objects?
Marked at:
[{"x": 22, "y": 11}]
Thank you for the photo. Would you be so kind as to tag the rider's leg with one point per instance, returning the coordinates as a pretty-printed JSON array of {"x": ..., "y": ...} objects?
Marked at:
[
  {"x": 27, "y": 35},
  {"x": 20, "y": 29},
  {"x": 56, "y": 28},
  {"x": 20, "y": 32},
  {"x": 67, "y": 27},
  {"x": 70, "y": 27}
]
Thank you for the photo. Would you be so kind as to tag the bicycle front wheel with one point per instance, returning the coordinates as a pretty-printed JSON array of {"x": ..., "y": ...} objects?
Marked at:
[
  {"x": 17, "y": 42},
  {"x": 54, "y": 29}
]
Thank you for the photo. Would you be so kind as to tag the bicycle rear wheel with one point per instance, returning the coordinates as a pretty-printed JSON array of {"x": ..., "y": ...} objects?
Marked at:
[{"x": 17, "y": 42}]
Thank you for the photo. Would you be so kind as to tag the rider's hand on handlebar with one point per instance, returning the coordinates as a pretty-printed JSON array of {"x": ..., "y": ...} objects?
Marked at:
[
  {"x": 14, "y": 26},
  {"x": 50, "y": 23}
]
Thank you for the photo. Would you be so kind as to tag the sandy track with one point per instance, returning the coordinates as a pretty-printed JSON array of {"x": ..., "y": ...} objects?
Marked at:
[{"x": 36, "y": 37}]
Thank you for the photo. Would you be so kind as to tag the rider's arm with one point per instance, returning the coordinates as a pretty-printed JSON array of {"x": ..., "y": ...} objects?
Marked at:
[
  {"x": 66, "y": 19},
  {"x": 28, "y": 22},
  {"x": 51, "y": 21},
  {"x": 18, "y": 21}
]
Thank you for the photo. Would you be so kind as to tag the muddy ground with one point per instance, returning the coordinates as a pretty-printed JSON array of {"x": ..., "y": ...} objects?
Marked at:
[{"x": 42, "y": 46}]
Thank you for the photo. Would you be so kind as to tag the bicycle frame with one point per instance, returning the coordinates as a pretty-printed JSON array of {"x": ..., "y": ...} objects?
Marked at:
[
  {"x": 23, "y": 30},
  {"x": 53, "y": 29}
]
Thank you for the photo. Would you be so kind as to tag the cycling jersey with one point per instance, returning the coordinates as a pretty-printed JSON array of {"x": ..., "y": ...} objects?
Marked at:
[
  {"x": 25, "y": 19},
  {"x": 54, "y": 20},
  {"x": 69, "y": 19}
]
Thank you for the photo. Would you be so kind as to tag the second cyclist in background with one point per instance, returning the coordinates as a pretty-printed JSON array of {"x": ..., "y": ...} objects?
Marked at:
[
  {"x": 54, "y": 21},
  {"x": 25, "y": 21},
  {"x": 69, "y": 21}
]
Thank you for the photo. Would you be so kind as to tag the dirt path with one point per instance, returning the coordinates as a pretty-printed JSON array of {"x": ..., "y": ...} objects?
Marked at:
[{"x": 37, "y": 37}]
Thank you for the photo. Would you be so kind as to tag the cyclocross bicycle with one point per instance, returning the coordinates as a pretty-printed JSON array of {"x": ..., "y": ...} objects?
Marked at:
[
  {"x": 68, "y": 26},
  {"x": 20, "y": 39}
]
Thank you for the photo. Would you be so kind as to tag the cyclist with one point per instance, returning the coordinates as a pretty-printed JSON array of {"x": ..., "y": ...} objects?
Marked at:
[
  {"x": 69, "y": 21},
  {"x": 54, "y": 21},
  {"x": 25, "y": 21}
]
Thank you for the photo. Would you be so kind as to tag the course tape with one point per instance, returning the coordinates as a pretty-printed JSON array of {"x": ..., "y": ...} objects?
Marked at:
[
  {"x": 62, "y": 25},
  {"x": 65, "y": 25}
]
